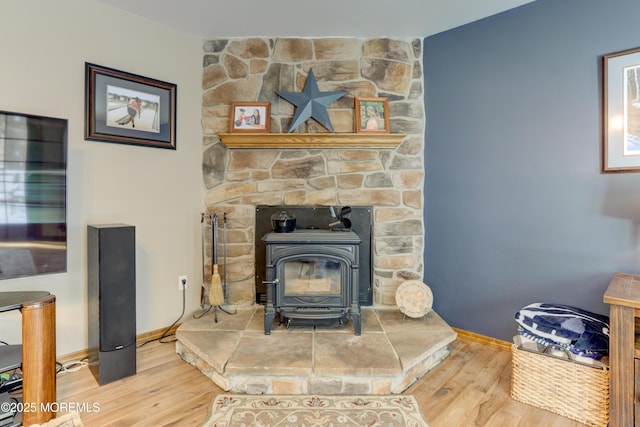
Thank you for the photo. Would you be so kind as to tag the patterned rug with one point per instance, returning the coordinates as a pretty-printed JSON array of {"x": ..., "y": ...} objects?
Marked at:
[{"x": 236, "y": 410}]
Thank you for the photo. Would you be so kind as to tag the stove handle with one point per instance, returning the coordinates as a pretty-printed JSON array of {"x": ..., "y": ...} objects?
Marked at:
[{"x": 271, "y": 282}]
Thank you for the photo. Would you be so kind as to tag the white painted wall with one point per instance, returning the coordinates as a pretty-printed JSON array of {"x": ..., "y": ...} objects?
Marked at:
[{"x": 45, "y": 45}]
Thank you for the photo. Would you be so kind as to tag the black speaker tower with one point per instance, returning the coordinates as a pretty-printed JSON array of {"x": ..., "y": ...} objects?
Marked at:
[{"x": 112, "y": 301}]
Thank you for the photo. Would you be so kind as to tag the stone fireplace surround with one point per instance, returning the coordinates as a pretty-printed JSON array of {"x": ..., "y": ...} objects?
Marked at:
[
  {"x": 393, "y": 350},
  {"x": 388, "y": 179}
]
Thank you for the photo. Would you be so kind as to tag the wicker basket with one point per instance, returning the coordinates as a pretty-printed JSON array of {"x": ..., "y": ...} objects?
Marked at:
[{"x": 572, "y": 389}]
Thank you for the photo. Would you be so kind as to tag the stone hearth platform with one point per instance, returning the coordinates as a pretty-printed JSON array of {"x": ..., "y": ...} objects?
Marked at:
[{"x": 392, "y": 352}]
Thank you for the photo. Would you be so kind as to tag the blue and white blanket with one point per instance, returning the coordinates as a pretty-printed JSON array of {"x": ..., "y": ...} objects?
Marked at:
[{"x": 579, "y": 331}]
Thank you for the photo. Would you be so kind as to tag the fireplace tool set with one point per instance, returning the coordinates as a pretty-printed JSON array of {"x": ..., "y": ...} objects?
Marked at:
[{"x": 218, "y": 289}]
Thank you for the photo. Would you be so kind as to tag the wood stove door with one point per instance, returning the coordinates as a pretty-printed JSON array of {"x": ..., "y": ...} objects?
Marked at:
[{"x": 313, "y": 281}]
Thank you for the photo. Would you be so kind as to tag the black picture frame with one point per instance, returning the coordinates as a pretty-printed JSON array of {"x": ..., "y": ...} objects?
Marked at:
[{"x": 110, "y": 97}]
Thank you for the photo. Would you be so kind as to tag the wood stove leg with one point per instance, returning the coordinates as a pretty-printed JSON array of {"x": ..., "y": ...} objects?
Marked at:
[
  {"x": 355, "y": 292},
  {"x": 269, "y": 307},
  {"x": 355, "y": 318},
  {"x": 269, "y": 315},
  {"x": 39, "y": 360}
]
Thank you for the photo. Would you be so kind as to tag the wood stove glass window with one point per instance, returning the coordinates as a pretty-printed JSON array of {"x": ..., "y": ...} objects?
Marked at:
[{"x": 312, "y": 276}]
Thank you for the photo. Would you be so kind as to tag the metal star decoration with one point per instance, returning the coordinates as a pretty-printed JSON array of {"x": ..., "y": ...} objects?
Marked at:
[{"x": 311, "y": 103}]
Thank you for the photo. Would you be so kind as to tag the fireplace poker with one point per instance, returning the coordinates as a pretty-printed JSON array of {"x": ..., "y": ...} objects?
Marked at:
[
  {"x": 224, "y": 253},
  {"x": 224, "y": 256},
  {"x": 216, "y": 295},
  {"x": 202, "y": 299}
]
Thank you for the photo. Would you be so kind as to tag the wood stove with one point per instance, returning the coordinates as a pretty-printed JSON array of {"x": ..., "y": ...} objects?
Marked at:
[
  {"x": 312, "y": 276},
  {"x": 317, "y": 218}
]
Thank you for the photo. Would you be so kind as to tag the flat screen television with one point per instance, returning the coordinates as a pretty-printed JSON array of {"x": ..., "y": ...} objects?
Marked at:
[{"x": 33, "y": 195}]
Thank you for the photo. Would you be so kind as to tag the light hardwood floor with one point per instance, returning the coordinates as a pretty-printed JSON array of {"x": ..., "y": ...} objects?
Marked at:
[{"x": 469, "y": 388}]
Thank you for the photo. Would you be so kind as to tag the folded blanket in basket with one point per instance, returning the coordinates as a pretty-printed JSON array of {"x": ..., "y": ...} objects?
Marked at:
[
  {"x": 580, "y": 331},
  {"x": 521, "y": 340}
]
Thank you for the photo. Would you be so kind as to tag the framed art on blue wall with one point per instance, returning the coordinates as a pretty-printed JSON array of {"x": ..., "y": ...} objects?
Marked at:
[
  {"x": 126, "y": 108},
  {"x": 621, "y": 111}
]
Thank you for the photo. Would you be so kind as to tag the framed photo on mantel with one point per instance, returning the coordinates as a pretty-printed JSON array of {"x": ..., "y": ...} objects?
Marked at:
[
  {"x": 372, "y": 115},
  {"x": 249, "y": 117}
]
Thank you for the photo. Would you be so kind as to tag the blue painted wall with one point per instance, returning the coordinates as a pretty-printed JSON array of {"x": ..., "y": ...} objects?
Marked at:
[{"x": 516, "y": 208}]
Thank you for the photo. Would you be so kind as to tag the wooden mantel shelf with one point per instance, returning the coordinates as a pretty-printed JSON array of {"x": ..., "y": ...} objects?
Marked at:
[{"x": 311, "y": 140}]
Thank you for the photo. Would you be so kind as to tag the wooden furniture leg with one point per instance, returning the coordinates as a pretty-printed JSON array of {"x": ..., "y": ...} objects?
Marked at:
[
  {"x": 621, "y": 360},
  {"x": 38, "y": 360}
]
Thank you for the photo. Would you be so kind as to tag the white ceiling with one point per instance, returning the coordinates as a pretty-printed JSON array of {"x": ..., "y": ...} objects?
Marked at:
[{"x": 210, "y": 19}]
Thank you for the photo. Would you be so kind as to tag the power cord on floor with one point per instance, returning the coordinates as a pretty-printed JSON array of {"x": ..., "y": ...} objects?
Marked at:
[
  {"x": 71, "y": 366},
  {"x": 166, "y": 332}
]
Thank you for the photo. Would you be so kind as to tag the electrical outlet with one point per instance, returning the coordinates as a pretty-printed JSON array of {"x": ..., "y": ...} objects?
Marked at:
[{"x": 183, "y": 281}]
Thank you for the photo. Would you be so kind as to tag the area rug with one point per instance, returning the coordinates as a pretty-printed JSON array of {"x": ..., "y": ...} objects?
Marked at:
[
  {"x": 241, "y": 410},
  {"x": 69, "y": 419}
]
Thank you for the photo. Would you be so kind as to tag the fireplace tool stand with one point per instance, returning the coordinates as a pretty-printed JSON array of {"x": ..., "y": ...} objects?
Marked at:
[
  {"x": 214, "y": 259},
  {"x": 214, "y": 229}
]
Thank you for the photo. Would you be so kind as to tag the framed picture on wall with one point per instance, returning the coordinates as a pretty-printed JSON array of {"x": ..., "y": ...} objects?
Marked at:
[
  {"x": 250, "y": 117},
  {"x": 126, "y": 108},
  {"x": 621, "y": 111},
  {"x": 372, "y": 115}
]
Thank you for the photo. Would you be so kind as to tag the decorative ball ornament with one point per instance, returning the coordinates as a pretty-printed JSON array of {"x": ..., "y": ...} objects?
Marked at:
[
  {"x": 414, "y": 298},
  {"x": 311, "y": 103}
]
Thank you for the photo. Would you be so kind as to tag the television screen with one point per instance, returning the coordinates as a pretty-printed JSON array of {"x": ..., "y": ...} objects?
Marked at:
[{"x": 33, "y": 195}]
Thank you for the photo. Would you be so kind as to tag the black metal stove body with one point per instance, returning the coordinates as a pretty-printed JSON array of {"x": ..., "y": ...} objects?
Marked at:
[{"x": 312, "y": 275}]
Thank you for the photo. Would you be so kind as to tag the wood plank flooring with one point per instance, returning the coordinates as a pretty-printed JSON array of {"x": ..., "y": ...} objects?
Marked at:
[{"x": 469, "y": 388}]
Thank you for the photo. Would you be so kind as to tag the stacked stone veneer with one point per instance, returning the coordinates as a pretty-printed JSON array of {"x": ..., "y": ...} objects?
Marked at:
[{"x": 390, "y": 180}]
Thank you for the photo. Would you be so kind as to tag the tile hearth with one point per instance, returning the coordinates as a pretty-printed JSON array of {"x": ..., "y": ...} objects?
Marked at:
[{"x": 392, "y": 352}]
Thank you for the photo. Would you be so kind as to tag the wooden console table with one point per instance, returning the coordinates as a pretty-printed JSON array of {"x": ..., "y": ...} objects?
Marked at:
[
  {"x": 623, "y": 295},
  {"x": 38, "y": 351}
]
